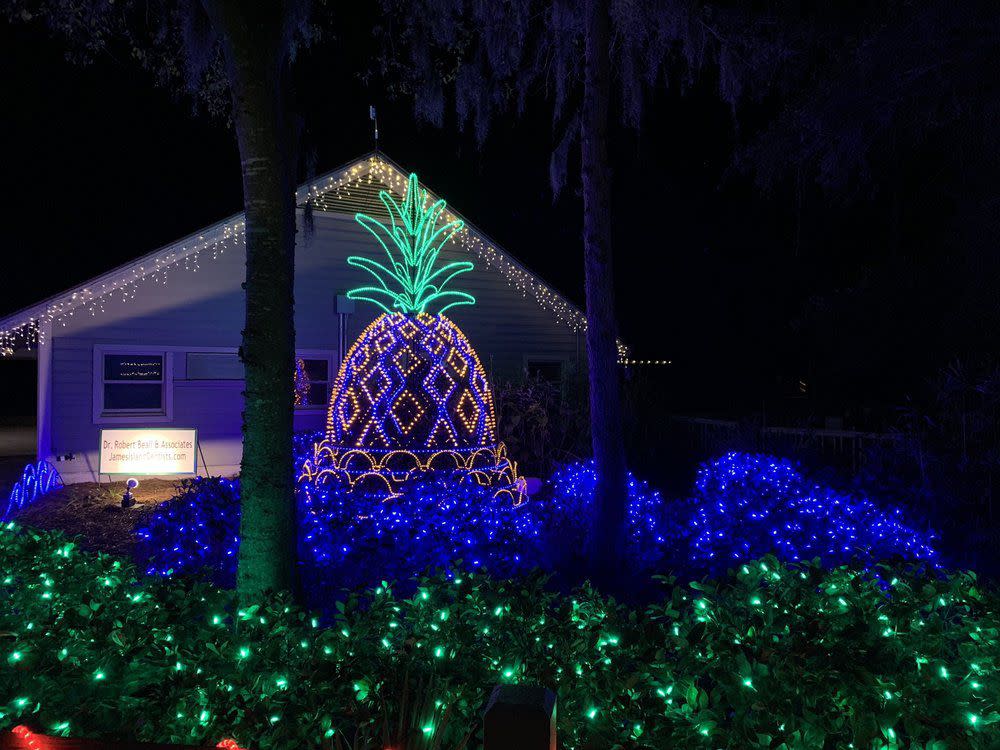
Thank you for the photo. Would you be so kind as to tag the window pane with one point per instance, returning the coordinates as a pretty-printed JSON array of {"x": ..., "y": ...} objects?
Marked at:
[
  {"x": 214, "y": 366},
  {"x": 317, "y": 369},
  {"x": 145, "y": 396},
  {"x": 317, "y": 396},
  {"x": 550, "y": 371},
  {"x": 133, "y": 367}
]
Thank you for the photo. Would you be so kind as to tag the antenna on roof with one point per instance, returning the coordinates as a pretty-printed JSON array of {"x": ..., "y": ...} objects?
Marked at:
[{"x": 374, "y": 118}]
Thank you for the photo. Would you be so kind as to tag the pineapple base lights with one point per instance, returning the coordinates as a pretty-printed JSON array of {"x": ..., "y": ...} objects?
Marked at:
[{"x": 412, "y": 397}]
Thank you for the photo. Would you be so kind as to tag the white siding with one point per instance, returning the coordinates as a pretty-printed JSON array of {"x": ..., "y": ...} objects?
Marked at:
[{"x": 205, "y": 308}]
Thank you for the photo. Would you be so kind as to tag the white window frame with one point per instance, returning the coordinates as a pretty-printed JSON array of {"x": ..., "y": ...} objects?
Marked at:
[
  {"x": 101, "y": 416},
  {"x": 331, "y": 374}
]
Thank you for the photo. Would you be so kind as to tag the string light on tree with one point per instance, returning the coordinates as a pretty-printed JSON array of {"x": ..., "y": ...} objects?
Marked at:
[{"x": 644, "y": 362}]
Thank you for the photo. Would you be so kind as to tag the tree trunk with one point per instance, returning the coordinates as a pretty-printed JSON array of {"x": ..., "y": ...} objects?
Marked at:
[
  {"x": 608, "y": 524},
  {"x": 257, "y": 58}
]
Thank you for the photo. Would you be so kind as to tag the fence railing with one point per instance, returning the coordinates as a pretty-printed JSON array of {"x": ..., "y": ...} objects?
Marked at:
[{"x": 847, "y": 447}]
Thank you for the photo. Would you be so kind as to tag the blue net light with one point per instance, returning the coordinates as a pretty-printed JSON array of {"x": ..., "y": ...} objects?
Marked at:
[
  {"x": 744, "y": 506},
  {"x": 747, "y": 505}
]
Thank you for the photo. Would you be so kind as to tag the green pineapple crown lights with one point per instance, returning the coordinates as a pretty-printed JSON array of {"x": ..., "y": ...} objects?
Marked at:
[{"x": 410, "y": 283}]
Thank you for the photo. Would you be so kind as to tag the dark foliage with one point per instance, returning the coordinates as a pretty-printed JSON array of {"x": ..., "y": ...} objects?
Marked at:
[
  {"x": 769, "y": 656},
  {"x": 947, "y": 458},
  {"x": 542, "y": 423}
]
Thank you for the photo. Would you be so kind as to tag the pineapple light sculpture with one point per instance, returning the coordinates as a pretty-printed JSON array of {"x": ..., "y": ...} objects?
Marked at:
[{"x": 411, "y": 396}]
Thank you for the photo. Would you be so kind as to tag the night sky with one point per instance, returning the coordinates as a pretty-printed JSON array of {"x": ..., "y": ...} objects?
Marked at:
[{"x": 747, "y": 292}]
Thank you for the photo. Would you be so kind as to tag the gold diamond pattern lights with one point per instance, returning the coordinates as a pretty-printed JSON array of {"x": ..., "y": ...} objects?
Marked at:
[{"x": 411, "y": 396}]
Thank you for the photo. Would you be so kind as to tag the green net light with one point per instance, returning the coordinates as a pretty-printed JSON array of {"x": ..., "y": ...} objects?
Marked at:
[{"x": 411, "y": 283}]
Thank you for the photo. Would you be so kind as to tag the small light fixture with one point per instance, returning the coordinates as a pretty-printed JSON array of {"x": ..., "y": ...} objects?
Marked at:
[{"x": 128, "y": 499}]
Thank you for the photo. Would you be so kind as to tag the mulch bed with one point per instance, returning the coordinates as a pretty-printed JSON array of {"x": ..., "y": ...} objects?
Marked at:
[{"x": 93, "y": 512}]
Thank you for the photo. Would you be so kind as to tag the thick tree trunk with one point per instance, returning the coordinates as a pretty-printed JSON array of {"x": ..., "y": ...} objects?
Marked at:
[
  {"x": 257, "y": 60},
  {"x": 608, "y": 524}
]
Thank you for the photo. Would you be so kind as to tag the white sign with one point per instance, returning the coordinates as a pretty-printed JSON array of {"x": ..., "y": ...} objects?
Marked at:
[{"x": 149, "y": 450}]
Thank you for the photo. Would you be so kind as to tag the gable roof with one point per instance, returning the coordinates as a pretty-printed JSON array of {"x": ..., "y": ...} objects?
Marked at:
[{"x": 351, "y": 188}]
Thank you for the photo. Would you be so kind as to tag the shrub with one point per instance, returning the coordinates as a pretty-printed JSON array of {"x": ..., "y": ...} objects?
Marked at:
[
  {"x": 542, "y": 423},
  {"x": 349, "y": 540},
  {"x": 195, "y": 531},
  {"x": 771, "y": 656},
  {"x": 946, "y": 456},
  {"x": 198, "y": 529},
  {"x": 745, "y": 506}
]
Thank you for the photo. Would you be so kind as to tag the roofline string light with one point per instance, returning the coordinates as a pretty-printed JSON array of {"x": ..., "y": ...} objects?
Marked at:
[
  {"x": 188, "y": 255},
  {"x": 92, "y": 299}
]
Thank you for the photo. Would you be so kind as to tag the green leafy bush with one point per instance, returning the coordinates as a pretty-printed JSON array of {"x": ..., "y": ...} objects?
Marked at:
[{"x": 771, "y": 656}]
